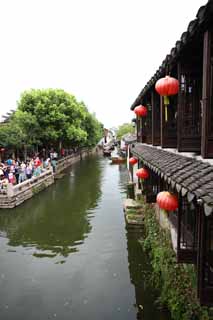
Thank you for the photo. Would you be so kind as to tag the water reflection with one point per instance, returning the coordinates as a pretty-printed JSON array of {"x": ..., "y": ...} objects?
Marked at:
[
  {"x": 56, "y": 225},
  {"x": 140, "y": 270},
  {"x": 102, "y": 280},
  {"x": 123, "y": 178}
]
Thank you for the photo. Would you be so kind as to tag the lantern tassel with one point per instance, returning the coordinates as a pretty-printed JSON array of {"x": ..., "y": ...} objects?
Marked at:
[
  {"x": 166, "y": 103},
  {"x": 166, "y": 113}
]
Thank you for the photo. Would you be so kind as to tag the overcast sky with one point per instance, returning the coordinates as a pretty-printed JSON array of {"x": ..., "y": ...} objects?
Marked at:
[{"x": 102, "y": 51}]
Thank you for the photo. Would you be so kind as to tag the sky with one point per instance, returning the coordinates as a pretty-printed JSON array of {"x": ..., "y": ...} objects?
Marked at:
[{"x": 101, "y": 51}]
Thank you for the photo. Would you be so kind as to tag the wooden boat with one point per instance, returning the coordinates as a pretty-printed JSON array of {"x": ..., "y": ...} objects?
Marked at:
[
  {"x": 117, "y": 160},
  {"x": 106, "y": 153}
]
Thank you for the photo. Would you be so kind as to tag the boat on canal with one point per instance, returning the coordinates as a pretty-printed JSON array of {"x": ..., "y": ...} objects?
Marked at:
[
  {"x": 117, "y": 160},
  {"x": 106, "y": 152}
]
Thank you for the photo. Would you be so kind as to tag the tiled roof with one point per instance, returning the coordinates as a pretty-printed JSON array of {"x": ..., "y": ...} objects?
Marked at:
[
  {"x": 129, "y": 138},
  {"x": 189, "y": 176},
  {"x": 204, "y": 17}
]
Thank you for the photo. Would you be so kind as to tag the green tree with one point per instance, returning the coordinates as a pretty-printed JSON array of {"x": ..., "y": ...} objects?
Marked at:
[
  {"x": 21, "y": 132},
  {"x": 58, "y": 114},
  {"x": 94, "y": 130},
  {"x": 124, "y": 129},
  {"x": 50, "y": 117}
]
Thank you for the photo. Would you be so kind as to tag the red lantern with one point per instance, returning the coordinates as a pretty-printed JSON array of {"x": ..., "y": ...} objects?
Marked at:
[
  {"x": 133, "y": 161},
  {"x": 2, "y": 149},
  {"x": 167, "y": 86},
  {"x": 140, "y": 111},
  {"x": 142, "y": 173},
  {"x": 167, "y": 201}
]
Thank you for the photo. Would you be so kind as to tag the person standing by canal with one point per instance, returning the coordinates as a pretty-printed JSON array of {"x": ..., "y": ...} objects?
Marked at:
[
  {"x": 51, "y": 154},
  {"x": 9, "y": 161},
  {"x": 29, "y": 170},
  {"x": 11, "y": 177},
  {"x": 37, "y": 167},
  {"x": 22, "y": 174},
  {"x": 17, "y": 170},
  {"x": 62, "y": 152},
  {"x": 55, "y": 155},
  {"x": 54, "y": 164}
]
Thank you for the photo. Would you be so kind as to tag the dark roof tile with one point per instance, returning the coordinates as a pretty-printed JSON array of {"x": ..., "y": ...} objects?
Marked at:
[{"x": 189, "y": 175}]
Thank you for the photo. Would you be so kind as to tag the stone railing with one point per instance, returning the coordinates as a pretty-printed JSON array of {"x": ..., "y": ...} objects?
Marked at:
[
  {"x": 15, "y": 195},
  {"x": 65, "y": 162}
]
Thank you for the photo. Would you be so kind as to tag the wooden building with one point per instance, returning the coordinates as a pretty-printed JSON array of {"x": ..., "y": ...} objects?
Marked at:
[{"x": 178, "y": 151}]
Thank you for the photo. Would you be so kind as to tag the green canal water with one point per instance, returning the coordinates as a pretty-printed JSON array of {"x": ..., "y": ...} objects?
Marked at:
[{"x": 66, "y": 254}]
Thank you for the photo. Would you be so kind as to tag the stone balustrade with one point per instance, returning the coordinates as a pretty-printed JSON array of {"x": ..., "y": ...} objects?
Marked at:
[{"x": 13, "y": 196}]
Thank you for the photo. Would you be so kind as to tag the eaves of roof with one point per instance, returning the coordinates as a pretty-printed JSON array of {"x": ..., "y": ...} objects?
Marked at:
[
  {"x": 203, "y": 18},
  {"x": 191, "y": 177}
]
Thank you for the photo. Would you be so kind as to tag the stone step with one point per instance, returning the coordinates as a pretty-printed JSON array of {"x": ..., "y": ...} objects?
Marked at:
[
  {"x": 134, "y": 220},
  {"x": 132, "y": 204}
]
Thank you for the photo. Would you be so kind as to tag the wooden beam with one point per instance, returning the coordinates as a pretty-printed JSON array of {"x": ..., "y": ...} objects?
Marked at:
[
  {"x": 206, "y": 94},
  {"x": 161, "y": 122},
  {"x": 155, "y": 118},
  {"x": 179, "y": 110},
  {"x": 179, "y": 217}
]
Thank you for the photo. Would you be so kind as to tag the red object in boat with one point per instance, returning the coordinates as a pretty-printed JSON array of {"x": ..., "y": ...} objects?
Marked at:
[{"x": 167, "y": 201}]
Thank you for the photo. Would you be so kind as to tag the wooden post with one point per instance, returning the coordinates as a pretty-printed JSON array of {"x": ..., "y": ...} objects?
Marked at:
[
  {"x": 206, "y": 95},
  {"x": 141, "y": 130},
  {"x": 201, "y": 231},
  {"x": 155, "y": 98},
  {"x": 153, "y": 117},
  {"x": 161, "y": 122},
  {"x": 179, "y": 109},
  {"x": 179, "y": 218},
  {"x": 138, "y": 128}
]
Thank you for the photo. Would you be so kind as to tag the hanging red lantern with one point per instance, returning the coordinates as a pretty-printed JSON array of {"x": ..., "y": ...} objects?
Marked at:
[
  {"x": 2, "y": 149},
  {"x": 167, "y": 86},
  {"x": 140, "y": 111},
  {"x": 167, "y": 201},
  {"x": 142, "y": 173},
  {"x": 133, "y": 161}
]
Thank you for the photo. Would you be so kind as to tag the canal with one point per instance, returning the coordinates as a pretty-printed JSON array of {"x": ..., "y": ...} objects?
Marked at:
[{"x": 66, "y": 254}]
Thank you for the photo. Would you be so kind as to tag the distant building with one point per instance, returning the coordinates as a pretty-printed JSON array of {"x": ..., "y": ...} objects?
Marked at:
[{"x": 108, "y": 136}]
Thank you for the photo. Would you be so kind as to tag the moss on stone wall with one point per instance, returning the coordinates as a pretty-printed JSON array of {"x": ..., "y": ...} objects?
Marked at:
[
  {"x": 38, "y": 188},
  {"x": 177, "y": 282}
]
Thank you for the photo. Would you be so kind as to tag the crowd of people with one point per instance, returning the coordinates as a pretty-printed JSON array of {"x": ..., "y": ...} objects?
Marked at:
[{"x": 15, "y": 171}]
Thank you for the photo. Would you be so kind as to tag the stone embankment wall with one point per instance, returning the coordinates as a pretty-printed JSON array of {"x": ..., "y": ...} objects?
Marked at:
[
  {"x": 64, "y": 163},
  {"x": 15, "y": 195}
]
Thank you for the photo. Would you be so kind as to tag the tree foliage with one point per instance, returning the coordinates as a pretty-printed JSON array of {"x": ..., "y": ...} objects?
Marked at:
[
  {"x": 124, "y": 129},
  {"x": 58, "y": 114},
  {"x": 93, "y": 129},
  {"x": 21, "y": 131},
  {"x": 50, "y": 117}
]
